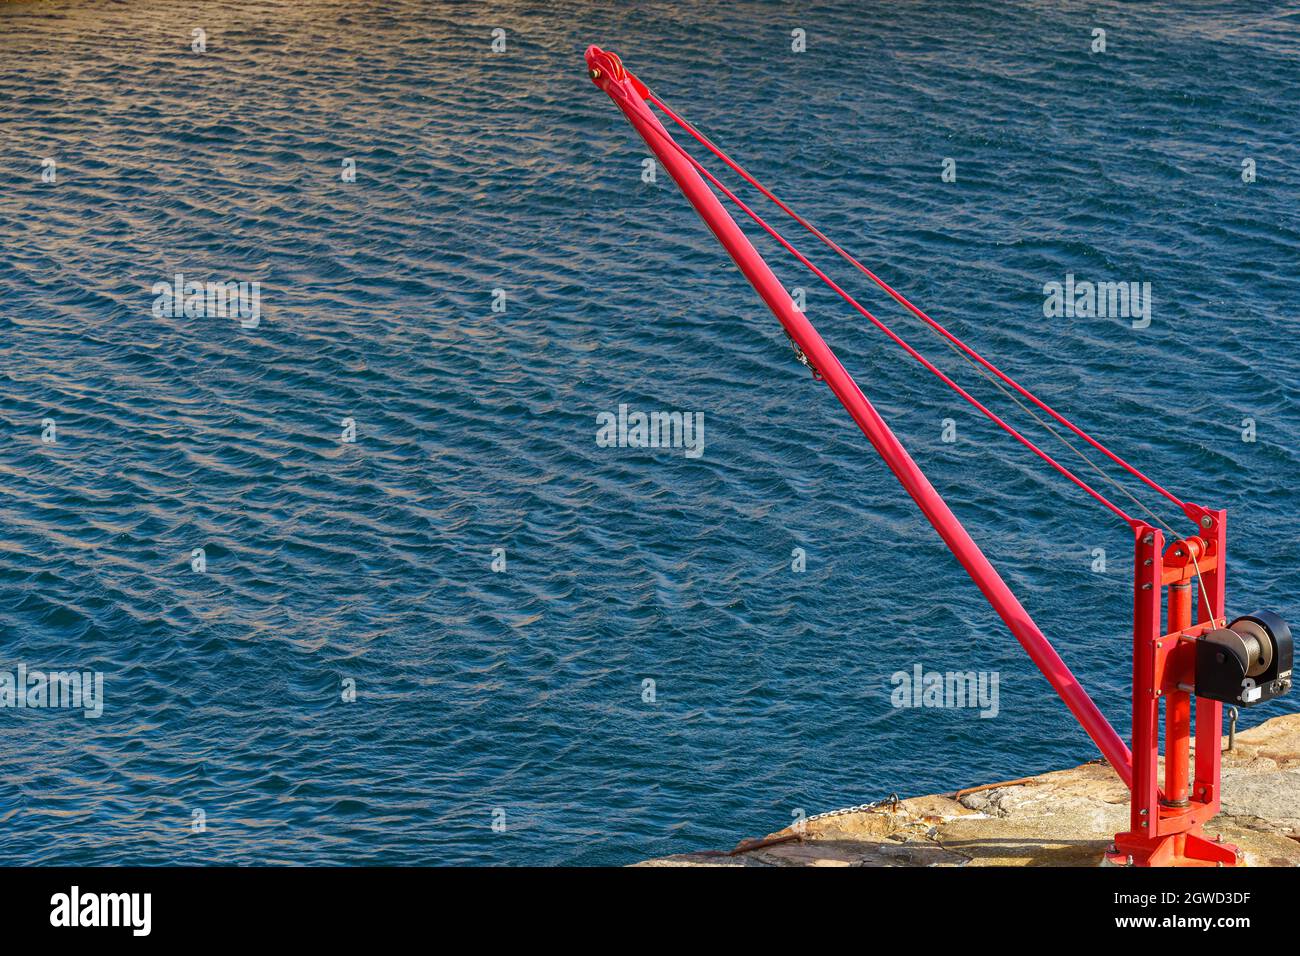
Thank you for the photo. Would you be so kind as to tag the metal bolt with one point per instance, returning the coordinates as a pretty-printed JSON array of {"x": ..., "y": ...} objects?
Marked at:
[
  {"x": 1129, "y": 860},
  {"x": 594, "y": 73},
  {"x": 1149, "y": 539},
  {"x": 1207, "y": 521}
]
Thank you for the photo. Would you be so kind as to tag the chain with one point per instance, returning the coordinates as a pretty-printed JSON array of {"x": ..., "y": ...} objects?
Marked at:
[{"x": 892, "y": 800}]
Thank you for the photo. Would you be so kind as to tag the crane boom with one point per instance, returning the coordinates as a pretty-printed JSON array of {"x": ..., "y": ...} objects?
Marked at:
[{"x": 629, "y": 94}]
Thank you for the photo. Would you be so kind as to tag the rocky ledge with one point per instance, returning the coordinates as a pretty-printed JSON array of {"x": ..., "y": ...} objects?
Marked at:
[{"x": 1065, "y": 818}]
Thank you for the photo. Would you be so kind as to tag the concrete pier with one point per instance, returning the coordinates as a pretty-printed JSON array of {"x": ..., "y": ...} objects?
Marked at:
[{"x": 1064, "y": 818}]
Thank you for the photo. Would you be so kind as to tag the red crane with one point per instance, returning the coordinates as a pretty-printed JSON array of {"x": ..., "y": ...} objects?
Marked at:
[{"x": 1184, "y": 658}]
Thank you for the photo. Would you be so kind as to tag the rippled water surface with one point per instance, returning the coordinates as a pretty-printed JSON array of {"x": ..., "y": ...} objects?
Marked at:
[{"x": 521, "y": 693}]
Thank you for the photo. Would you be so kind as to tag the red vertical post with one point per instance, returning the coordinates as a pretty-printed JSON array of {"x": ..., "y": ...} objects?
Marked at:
[
  {"x": 1148, "y": 568},
  {"x": 1178, "y": 704},
  {"x": 1209, "y": 713}
]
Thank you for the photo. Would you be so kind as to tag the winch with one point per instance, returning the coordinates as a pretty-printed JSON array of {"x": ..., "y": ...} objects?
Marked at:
[{"x": 1246, "y": 663}]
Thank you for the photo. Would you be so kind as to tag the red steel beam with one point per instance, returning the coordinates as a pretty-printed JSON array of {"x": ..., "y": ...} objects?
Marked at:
[{"x": 628, "y": 94}]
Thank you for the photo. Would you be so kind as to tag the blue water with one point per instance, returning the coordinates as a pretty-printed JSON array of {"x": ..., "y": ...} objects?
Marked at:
[{"x": 371, "y": 562}]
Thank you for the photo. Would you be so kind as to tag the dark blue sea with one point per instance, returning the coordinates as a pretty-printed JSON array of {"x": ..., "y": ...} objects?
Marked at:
[{"x": 502, "y": 715}]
